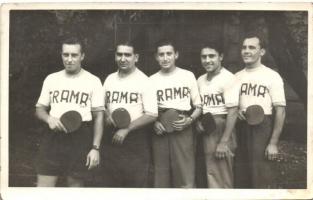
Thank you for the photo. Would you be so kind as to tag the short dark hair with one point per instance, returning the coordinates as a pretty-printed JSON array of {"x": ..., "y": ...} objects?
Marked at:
[
  {"x": 74, "y": 40},
  {"x": 262, "y": 41},
  {"x": 213, "y": 45},
  {"x": 128, "y": 43},
  {"x": 165, "y": 42}
]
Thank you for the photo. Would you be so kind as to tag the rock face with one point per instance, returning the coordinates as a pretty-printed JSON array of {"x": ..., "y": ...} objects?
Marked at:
[{"x": 34, "y": 53}]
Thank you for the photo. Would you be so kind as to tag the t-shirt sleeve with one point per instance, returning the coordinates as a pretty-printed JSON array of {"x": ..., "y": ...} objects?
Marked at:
[
  {"x": 97, "y": 101},
  {"x": 44, "y": 98},
  {"x": 231, "y": 92},
  {"x": 195, "y": 95},
  {"x": 149, "y": 98},
  {"x": 277, "y": 91}
]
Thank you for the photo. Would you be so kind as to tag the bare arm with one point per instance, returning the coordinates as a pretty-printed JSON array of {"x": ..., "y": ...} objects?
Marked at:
[
  {"x": 222, "y": 150},
  {"x": 279, "y": 119},
  {"x": 42, "y": 113},
  {"x": 141, "y": 121},
  {"x": 230, "y": 123},
  {"x": 97, "y": 127},
  {"x": 107, "y": 118},
  {"x": 93, "y": 157}
]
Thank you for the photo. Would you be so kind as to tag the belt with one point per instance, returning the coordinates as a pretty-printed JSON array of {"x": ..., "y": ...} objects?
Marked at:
[{"x": 183, "y": 112}]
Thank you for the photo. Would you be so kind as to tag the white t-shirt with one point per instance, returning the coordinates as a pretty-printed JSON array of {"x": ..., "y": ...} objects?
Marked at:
[
  {"x": 218, "y": 93},
  {"x": 177, "y": 89},
  {"x": 262, "y": 86},
  {"x": 81, "y": 92},
  {"x": 132, "y": 92}
]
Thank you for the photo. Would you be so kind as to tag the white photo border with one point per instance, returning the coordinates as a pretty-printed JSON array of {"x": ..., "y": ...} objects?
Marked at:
[{"x": 106, "y": 193}]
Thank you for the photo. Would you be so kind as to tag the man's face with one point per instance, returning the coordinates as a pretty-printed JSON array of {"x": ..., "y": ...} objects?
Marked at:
[
  {"x": 210, "y": 60},
  {"x": 166, "y": 56},
  {"x": 72, "y": 57},
  {"x": 125, "y": 58},
  {"x": 251, "y": 51}
]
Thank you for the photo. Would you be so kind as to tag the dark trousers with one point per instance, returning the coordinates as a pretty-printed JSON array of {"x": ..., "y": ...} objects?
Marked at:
[
  {"x": 65, "y": 153},
  {"x": 252, "y": 168},
  {"x": 127, "y": 164}
]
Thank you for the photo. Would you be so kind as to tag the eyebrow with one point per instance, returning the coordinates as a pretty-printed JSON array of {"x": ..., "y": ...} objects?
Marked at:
[
  {"x": 209, "y": 54},
  {"x": 65, "y": 53},
  {"x": 249, "y": 46},
  {"x": 121, "y": 53},
  {"x": 166, "y": 52}
]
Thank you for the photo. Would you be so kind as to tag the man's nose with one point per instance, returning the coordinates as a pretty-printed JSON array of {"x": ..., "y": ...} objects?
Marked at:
[
  {"x": 123, "y": 58},
  {"x": 245, "y": 50},
  {"x": 70, "y": 58}
]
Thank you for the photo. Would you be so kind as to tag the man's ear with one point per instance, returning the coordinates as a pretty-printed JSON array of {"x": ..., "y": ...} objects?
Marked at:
[
  {"x": 83, "y": 56},
  {"x": 176, "y": 55},
  {"x": 221, "y": 57},
  {"x": 136, "y": 57},
  {"x": 263, "y": 51}
]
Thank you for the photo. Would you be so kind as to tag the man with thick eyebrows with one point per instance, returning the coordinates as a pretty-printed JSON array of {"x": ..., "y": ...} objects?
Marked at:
[{"x": 126, "y": 151}]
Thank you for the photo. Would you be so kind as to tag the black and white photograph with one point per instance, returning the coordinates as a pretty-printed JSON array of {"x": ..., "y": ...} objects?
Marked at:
[{"x": 151, "y": 100}]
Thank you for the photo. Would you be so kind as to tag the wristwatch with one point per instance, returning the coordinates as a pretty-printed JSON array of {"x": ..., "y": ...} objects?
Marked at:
[{"x": 95, "y": 147}]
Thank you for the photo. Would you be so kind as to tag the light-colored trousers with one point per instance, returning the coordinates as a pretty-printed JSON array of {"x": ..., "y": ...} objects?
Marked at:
[
  {"x": 174, "y": 159},
  {"x": 219, "y": 172}
]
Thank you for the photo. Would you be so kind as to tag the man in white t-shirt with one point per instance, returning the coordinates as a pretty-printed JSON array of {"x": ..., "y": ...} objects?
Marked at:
[
  {"x": 221, "y": 100},
  {"x": 63, "y": 153},
  {"x": 126, "y": 151},
  {"x": 176, "y": 88},
  {"x": 260, "y": 85}
]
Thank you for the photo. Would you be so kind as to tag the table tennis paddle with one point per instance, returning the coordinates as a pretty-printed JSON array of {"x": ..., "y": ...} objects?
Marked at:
[
  {"x": 254, "y": 114},
  {"x": 121, "y": 118},
  {"x": 208, "y": 123},
  {"x": 167, "y": 118},
  {"x": 71, "y": 120}
]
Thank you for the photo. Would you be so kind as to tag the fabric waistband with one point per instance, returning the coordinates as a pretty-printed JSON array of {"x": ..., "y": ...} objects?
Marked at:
[
  {"x": 224, "y": 116},
  {"x": 86, "y": 123},
  {"x": 183, "y": 112}
]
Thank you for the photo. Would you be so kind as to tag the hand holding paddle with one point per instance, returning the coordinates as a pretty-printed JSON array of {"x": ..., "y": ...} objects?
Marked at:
[
  {"x": 121, "y": 119},
  {"x": 159, "y": 128},
  {"x": 199, "y": 127},
  {"x": 241, "y": 115},
  {"x": 55, "y": 124},
  {"x": 108, "y": 121}
]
